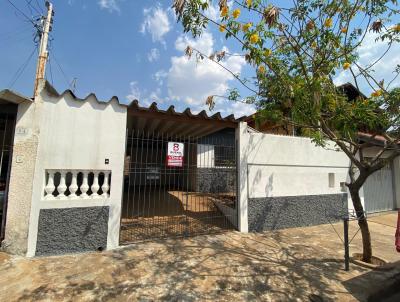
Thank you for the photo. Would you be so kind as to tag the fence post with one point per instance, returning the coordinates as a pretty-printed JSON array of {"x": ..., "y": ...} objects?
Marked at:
[{"x": 346, "y": 243}]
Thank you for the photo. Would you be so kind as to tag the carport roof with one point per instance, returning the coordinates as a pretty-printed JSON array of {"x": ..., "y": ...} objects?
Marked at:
[
  {"x": 8, "y": 96},
  {"x": 185, "y": 123}
]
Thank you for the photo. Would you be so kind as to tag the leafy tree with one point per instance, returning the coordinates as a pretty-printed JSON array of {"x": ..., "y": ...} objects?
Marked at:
[{"x": 296, "y": 49}]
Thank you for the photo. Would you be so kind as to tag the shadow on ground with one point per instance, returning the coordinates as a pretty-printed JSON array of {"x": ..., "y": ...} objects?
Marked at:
[
  {"x": 229, "y": 266},
  {"x": 304, "y": 264},
  {"x": 377, "y": 285}
]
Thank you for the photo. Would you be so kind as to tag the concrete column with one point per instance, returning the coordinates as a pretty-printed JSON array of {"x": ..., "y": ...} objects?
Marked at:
[
  {"x": 23, "y": 164},
  {"x": 396, "y": 183},
  {"x": 243, "y": 145}
]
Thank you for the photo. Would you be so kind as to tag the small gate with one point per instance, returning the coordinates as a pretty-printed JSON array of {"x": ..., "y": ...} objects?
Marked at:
[
  {"x": 7, "y": 125},
  {"x": 189, "y": 192}
]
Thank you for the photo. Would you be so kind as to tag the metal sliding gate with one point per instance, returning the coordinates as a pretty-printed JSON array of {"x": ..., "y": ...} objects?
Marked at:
[{"x": 178, "y": 186}]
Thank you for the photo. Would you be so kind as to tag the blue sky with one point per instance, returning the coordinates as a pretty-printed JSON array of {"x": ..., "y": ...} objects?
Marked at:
[
  {"x": 131, "y": 49},
  {"x": 135, "y": 50}
]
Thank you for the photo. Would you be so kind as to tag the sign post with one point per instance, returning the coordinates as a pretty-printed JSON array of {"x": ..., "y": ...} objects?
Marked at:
[{"x": 175, "y": 154}]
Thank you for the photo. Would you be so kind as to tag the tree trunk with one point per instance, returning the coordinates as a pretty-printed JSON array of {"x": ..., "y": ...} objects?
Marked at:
[{"x": 362, "y": 223}]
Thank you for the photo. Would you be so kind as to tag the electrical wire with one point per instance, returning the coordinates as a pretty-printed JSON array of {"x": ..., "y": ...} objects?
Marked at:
[
  {"x": 51, "y": 72},
  {"x": 60, "y": 68},
  {"x": 39, "y": 6},
  {"x": 21, "y": 69},
  {"x": 15, "y": 31},
  {"x": 21, "y": 12},
  {"x": 30, "y": 6}
]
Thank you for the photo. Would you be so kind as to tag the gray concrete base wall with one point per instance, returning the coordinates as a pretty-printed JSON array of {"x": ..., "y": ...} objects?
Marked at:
[
  {"x": 273, "y": 213},
  {"x": 216, "y": 180},
  {"x": 71, "y": 230}
]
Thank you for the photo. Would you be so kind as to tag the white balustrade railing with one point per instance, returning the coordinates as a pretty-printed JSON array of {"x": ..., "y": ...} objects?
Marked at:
[{"x": 72, "y": 184}]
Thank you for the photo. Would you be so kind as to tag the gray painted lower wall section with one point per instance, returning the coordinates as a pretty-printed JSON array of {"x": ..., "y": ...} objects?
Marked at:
[
  {"x": 216, "y": 180},
  {"x": 273, "y": 213},
  {"x": 72, "y": 230}
]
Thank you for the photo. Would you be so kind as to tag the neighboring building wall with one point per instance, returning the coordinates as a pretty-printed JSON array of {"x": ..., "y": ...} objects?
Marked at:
[
  {"x": 381, "y": 189},
  {"x": 396, "y": 178},
  {"x": 288, "y": 181},
  {"x": 23, "y": 163},
  {"x": 77, "y": 135}
]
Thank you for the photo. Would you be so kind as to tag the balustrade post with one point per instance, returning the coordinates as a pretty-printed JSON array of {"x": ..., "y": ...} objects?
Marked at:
[
  {"x": 85, "y": 186},
  {"x": 51, "y": 189},
  {"x": 50, "y": 186},
  {"x": 74, "y": 185},
  {"x": 105, "y": 187},
  {"x": 62, "y": 187},
  {"x": 95, "y": 186}
]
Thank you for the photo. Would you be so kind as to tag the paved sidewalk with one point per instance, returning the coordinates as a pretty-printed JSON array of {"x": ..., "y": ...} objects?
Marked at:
[{"x": 303, "y": 264}]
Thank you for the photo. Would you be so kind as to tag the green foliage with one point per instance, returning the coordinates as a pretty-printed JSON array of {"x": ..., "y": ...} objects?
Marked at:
[{"x": 298, "y": 50}]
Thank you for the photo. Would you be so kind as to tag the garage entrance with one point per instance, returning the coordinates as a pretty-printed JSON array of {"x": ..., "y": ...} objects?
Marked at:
[{"x": 169, "y": 194}]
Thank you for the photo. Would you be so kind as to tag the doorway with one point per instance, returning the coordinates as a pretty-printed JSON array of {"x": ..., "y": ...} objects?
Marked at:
[{"x": 7, "y": 125}]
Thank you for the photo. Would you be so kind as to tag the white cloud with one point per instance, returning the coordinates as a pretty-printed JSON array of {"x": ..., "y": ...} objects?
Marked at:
[
  {"x": 156, "y": 23},
  {"x": 144, "y": 97},
  {"x": 159, "y": 76},
  {"x": 192, "y": 82},
  {"x": 205, "y": 43},
  {"x": 369, "y": 52},
  {"x": 110, "y": 5},
  {"x": 153, "y": 55},
  {"x": 213, "y": 12},
  {"x": 135, "y": 93}
]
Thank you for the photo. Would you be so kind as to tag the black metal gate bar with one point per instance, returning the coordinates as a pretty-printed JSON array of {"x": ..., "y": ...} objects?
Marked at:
[{"x": 161, "y": 201}]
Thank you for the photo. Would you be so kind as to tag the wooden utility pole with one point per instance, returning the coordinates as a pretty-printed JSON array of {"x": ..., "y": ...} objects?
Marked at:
[{"x": 43, "y": 53}]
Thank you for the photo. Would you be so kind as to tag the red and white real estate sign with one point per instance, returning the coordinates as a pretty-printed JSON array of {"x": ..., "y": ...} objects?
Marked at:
[{"x": 175, "y": 154}]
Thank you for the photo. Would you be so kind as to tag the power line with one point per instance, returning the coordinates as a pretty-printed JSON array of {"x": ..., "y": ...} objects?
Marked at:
[
  {"x": 20, "y": 11},
  {"x": 21, "y": 69},
  {"x": 51, "y": 72},
  {"x": 16, "y": 34},
  {"x": 39, "y": 6},
  {"x": 34, "y": 22},
  {"x": 30, "y": 6},
  {"x": 15, "y": 31},
  {"x": 61, "y": 70}
]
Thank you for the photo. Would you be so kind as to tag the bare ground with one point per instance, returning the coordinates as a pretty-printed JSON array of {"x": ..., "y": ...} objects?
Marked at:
[{"x": 302, "y": 264}]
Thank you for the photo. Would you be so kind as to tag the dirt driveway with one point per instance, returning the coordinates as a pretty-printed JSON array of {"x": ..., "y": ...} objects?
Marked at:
[{"x": 303, "y": 264}]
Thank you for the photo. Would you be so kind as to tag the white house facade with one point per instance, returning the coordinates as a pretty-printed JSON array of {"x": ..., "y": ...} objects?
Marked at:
[{"x": 83, "y": 175}]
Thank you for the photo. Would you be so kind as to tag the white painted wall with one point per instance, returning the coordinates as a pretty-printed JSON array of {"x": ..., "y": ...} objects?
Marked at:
[
  {"x": 286, "y": 180},
  {"x": 244, "y": 148},
  {"x": 274, "y": 165},
  {"x": 80, "y": 135},
  {"x": 290, "y": 166},
  {"x": 205, "y": 156}
]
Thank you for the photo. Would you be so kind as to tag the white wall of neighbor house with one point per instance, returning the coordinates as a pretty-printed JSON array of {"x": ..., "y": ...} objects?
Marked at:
[
  {"x": 276, "y": 166},
  {"x": 79, "y": 135}
]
